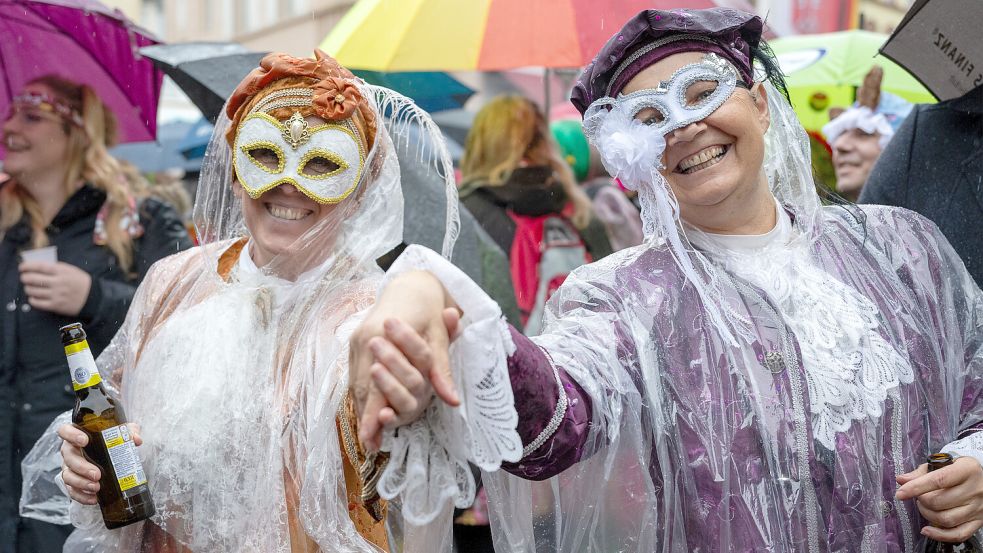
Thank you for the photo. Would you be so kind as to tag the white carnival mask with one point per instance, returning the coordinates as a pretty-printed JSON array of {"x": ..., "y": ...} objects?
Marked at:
[
  {"x": 690, "y": 94},
  {"x": 629, "y": 131},
  {"x": 333, "y": 148}
]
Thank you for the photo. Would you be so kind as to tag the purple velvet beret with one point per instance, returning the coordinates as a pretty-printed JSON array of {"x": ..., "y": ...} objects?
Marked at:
[{"x": 654, "y": 34}]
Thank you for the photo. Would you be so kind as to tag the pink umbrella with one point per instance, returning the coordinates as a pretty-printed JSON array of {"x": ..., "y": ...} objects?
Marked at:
[{"x": 85, "y": 41}]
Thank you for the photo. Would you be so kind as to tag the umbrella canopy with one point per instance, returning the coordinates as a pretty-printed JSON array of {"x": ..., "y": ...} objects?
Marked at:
[
  {"x": 86, "y": 42},
  {"x": 824, "y": 71},
  {"x": 431, "y": 90},
  {"x": 162, "y": 154},
  {"x": 195, "y": 141},
  {"x": 207, "y": 72},
  {"x": 485, "y": 35},
  {"x": 939, "y": 42}
]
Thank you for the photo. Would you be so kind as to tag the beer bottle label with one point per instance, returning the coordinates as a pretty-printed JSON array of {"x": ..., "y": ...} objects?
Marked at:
[
  {"x": 126, "y": 462},
  {"x": 82, "y": 365}
]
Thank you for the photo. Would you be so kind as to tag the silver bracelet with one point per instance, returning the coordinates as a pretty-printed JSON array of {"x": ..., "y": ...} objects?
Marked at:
[{"x": 558, "y": 413}]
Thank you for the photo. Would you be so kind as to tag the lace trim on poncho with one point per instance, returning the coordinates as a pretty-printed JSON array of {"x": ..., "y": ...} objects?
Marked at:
[{"x": 849, "y": 366}]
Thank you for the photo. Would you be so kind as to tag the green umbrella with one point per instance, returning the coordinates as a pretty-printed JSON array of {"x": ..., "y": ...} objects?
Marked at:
[{"x": 824, "y": 71}]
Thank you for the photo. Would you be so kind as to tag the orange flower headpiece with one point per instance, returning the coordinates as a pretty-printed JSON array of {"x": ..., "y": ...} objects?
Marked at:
[{"x": 335, "y": 98}]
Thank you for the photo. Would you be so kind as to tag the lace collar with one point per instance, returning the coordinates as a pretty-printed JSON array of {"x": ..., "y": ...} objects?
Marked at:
[{"x": 849, "y": 366}]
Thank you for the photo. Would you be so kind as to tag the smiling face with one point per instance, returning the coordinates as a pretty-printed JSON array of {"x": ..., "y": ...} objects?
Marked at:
[
  {"x": 280, "y": 216},
  {"x": 35, "y": 140},
  {"x": 713, "y": 165},
  {"x": 854, "y": 155}
]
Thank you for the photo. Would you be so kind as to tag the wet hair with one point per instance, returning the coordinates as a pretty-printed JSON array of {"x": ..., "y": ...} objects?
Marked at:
[
  {"x": 88, "y": 159},
  {"x": 765, "y": 64},
  {"x": 508, "y": 130}
]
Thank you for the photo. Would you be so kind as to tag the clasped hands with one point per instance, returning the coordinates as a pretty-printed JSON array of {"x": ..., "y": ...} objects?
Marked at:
[
  {"x": 399, "y": 360},
  {"x": 398, "y": 356}
]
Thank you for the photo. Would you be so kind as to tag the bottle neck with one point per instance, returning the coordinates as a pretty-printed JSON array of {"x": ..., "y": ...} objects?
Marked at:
[{"x": 82, "y": 365}]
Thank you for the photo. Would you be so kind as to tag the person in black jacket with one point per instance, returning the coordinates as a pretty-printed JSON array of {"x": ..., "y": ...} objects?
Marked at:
[
  {"x": 66, "y": 191},
  {"x": 934, "y": 166}
]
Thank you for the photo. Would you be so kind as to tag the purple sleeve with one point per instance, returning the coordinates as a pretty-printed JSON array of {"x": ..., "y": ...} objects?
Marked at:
[{"x": 535, "y": 391}]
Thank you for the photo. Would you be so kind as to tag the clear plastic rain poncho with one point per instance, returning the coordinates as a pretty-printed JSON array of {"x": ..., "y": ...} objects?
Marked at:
[
  {"x": 238, "y": 380},
  {"x": 749, "y": 394}
]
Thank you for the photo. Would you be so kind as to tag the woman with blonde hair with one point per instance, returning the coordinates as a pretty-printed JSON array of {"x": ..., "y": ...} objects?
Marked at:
[
  {"x": 65, "y": 191},
  {"x": 525, "y": 196}
]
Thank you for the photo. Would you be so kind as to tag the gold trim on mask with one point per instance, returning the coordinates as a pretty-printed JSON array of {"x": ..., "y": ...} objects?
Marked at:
[
  {"x": 280, "y": 156},
  {"x": 335, "y": 158},
  {"x": 347, "y": 127}
]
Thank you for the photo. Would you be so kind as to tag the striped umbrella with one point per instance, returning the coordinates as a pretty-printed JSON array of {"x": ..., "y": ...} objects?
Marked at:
[{"x": 483, "y": 35}]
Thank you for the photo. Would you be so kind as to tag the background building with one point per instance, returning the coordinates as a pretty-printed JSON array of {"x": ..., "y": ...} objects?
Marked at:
[
  {"x": 881, "y": 16},
  {"x": 292, "y": 26},
  {"x": 794, "y": 17}
]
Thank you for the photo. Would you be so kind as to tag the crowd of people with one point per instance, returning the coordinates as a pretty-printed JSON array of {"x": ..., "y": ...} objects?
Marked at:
[{"x": 714, "y": 351}]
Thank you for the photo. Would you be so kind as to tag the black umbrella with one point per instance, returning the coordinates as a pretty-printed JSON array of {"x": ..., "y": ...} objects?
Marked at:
[
  {"x": 207, "y": 72},
  {"x": 939, "y": 43},
  {"x": 424, "y": 210}
]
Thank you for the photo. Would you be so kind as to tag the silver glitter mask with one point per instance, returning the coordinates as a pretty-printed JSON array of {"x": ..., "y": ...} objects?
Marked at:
[{"x": 691, "y": 94}]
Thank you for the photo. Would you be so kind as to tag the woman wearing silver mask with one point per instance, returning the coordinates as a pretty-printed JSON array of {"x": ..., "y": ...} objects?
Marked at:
[{"x": 762, "y": 374}]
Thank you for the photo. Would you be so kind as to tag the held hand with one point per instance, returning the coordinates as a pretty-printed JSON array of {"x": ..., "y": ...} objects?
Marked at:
[
  {"x": 58, "y": 288},
  {"x": 402, "y": 370},
  {"x": 401, "y": 347},
  {"x": 82, "y": 477},
  {"x": 951, "y": 498}
]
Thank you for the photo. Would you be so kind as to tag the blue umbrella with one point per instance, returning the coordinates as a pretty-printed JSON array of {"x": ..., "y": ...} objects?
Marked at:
[
  {"x": 209, "y": 72},
  {"x": 162, "y": 154},
  {"x": 431, "y": 90},
  {"x": 193, "y": 144}
]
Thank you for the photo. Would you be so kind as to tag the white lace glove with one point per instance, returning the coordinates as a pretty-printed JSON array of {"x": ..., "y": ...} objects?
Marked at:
[
  {"x": 969, "y": 446},
  {"x": 428, "y": 461}
]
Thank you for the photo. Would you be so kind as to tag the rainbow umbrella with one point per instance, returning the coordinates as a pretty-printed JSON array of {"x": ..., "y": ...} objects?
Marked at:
[
  {"x": 482, "y": 35},
  {"x": 823, "y": 71}
]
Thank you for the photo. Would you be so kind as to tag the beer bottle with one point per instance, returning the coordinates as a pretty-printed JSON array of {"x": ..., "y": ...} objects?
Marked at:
[
  {"x": 935, "y": 462},
  {"x": 123, "y": 495}
]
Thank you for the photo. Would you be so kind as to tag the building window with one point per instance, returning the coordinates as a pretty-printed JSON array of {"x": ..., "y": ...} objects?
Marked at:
[
  {"x": 226, "y": 16},
  {"x": 258, "y": 14},
  {"x": 152, "y": 17},
  {"x": 299, "y": 7}
]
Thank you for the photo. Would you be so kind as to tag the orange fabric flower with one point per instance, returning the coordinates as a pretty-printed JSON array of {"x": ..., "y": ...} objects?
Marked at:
[
  {"x": 335, "y": 99},
  {"x": 334, "y": 93}
]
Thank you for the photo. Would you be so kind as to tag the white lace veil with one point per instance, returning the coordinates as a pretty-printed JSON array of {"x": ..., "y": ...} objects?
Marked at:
[
  {"x": 371, "y": 226},
  {"x": 632, "y": 151},
  {"x": 609, "y": 500},
  {"x": 237, "y": 381}
]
